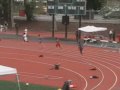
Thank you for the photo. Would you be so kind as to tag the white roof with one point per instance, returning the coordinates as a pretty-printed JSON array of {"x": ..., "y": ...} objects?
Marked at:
[
  {"x": 4, "y": 70},
  {"x": 92, "y": 29}
]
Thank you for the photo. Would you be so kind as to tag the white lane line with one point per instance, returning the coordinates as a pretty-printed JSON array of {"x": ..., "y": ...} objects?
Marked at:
[
  {"x": 107, "y": 67},
  {"x": 102, "y": 74},
  {"x": 78, "y": 75},
  {"x": 107, "y": 61},
  {"x": 99, "y": 70},
  {"x": 42, "y": 77},
  {"x": 34, "y": 74},
  {"x": 97, "y": 56},
  {"x": 116, "y": 78},
  {"x": 71, "y": 55},
  {"x": 35, "y": 50},
  {"x": 114, "y": 75},
  {"x": 33, "y": 61}
]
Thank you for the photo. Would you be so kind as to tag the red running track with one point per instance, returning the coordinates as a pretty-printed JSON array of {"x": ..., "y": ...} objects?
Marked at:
[{"x": 73, "y": 65}]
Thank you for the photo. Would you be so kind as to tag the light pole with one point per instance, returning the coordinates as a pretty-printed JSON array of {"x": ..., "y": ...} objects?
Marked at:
[
  {"x": 53, "y": 22},
  {"x": 66, "y": 21},
  {"x": 79, "y": 32},
  {"x": 12, "y": 18}
]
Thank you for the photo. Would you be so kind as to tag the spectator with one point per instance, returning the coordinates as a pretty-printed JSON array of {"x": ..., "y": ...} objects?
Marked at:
[
  {"x": 1, "y": 28},
  {"x": 5, "y": 26},
  {"x": 114, "y": 35},
  {"x": 80, "y": 45},
  {"x": 76, "y": 34},
  {"x": 39, "y": 38},
  {"x": 110, "y": 34}
]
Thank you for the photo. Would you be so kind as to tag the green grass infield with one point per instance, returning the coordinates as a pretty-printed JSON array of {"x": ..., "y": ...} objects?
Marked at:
[{"x": 7, "y": 85}]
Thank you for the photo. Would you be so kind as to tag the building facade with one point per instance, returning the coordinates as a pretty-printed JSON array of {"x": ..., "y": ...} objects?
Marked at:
[{"x": 113, "y": 3}]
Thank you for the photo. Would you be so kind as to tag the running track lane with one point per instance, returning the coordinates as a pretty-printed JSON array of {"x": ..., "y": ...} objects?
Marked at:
[
  {"x": 10, "y": 58},
  {"x": 90, "y": 57}
]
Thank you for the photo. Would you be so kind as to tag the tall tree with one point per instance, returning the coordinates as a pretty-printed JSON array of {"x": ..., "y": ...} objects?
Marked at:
[
  {"x": 4, "y": 9},
  {"x": 29, "y": 9},
  {"x": 94, "y": 4}
]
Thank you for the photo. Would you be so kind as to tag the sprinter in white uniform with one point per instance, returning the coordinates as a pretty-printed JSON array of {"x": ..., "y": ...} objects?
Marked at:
[{"x": 25, "y": 37}]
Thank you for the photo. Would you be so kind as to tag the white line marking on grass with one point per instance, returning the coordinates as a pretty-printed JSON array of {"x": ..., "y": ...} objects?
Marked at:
[
  {"x": 43, "y": 77},
  {"x": 27, "y": 73}
]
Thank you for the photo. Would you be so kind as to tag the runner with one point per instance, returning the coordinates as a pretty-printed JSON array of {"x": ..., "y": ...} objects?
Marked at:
[
  {"x": 58, "y": 45},
  {"x": 41, "y": 44},
  {"x": 5, "y": 26},
  {"x": 80, "y": 46},
  {"x": 26, "y": 31},
  {"x": 25, "y": 37},
  {"x": 39, "y": 38},
  {"x": 1, "y": 28}
]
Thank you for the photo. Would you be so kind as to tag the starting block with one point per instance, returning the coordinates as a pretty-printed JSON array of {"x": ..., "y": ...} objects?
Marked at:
[
  {"x": 94, "y": 77},
  {"x": 93, "y": 69},
  {"x": 72, "y": 86},
  {"x": 40, "y": 55},
  {"x": 56, "y": 66}
]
